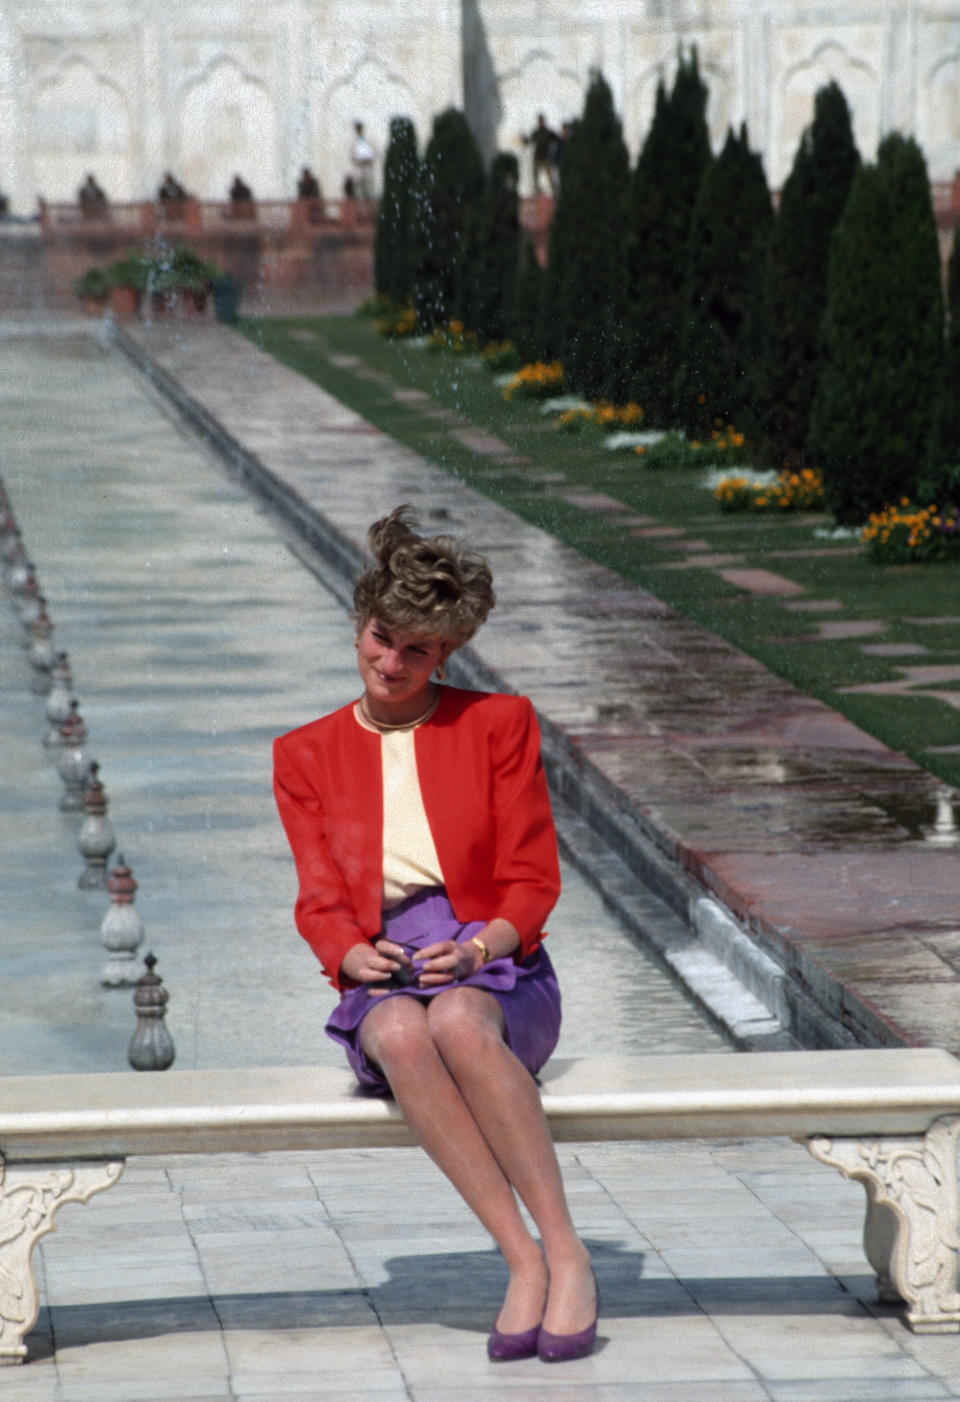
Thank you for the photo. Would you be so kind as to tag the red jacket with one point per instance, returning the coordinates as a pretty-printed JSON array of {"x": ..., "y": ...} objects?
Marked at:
[{"x": 485, "y": 796}]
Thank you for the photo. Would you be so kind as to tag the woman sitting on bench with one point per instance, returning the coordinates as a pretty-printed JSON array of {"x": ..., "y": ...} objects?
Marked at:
[{"x": 426, "y": 855}]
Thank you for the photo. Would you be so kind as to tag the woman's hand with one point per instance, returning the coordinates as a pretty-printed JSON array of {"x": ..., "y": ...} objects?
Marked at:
[
  {"x": 374, "y": 963},
  {"x": 448, "y": 962}
]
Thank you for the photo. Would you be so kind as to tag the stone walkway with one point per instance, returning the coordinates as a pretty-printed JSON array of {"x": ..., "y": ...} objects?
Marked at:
[
  {"x": 730, "y": 1272},
  {"x": 835, "y": 856}
]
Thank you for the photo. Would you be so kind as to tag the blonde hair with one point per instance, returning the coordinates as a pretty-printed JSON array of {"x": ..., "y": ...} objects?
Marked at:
[{"x": 431, "y": 585}]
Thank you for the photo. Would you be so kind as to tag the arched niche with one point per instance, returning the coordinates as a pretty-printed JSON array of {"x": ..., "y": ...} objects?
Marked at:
[
  {"x": 228, "y": 126},
  {"x": 938, "y": 130},
  {"x": 79, "y": 121},
  {"x": 538, "y": 83},
  {"x": 371, "y": 92},
  {"x": 830, "y": 61},
  {"x": 716, "y": 76}
]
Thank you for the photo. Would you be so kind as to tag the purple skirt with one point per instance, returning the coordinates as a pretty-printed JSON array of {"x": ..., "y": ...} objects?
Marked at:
[{"x": 528, "y": 992}]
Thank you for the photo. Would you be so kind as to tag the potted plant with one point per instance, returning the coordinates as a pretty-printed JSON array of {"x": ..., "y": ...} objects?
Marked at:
[
  {"x": 128, "y": 280},
  {"x": 93, "y": 289},
  {"x": 182, "y": 280}
]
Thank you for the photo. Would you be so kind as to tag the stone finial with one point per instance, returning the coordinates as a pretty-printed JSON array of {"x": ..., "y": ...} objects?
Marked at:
[
  {"x": 151, "y": 1046},
  {"x": 122, "y": 928},
  {"x": 40, "y": 653},
  {"x": 95, "y": 839},
  {"x": 12, "y": 550},
  {"x": 74, "y": 762},
  {"x": 60, "y": 700}
]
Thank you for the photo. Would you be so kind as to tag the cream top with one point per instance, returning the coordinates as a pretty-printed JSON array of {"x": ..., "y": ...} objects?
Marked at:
[{"x": 410, "y": 859}]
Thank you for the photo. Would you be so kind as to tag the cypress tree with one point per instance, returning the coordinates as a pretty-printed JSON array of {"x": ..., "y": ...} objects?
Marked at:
[
  {"x": 728, "y": 243},
  {"x": 527, "y": 332},
  {"x": 661, "y": 199},
  {"x": 586, "y": 271},
  {"x": 392, "y": 270},
  {"x": 448, "y": 195},
  {"x": 878, "y": 395},
  {"x": 498, "y": 252},
  {"x": 948, "y": 433},
  {"x": 811, "y": 202}
]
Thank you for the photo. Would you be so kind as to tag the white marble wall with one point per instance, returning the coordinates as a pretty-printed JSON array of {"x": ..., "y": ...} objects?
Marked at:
[
  {"x": 128, "y": 88},
  {"x": 898, "y": 64}
]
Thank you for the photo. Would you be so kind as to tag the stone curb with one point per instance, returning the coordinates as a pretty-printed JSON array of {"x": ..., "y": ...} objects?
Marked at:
[{"x": 761, "y": 1003}]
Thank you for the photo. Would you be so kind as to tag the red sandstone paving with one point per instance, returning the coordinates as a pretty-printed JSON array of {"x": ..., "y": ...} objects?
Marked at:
[
  {"x": 703, "y": 562},
  {"x": 594, "y": 501},
  {"x": 814, "y": 605},
  {"x": 841, "y": 629},
  {"x": 911, "y": 679},
  {"x": 893, "y": 649},
  {"x": 762, "y": 582},
  {"x": 844, "y": 895},
  {"x": 477, "y": 441}
]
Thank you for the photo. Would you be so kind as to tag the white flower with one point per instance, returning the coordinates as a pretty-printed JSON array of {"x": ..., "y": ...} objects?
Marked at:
[
  {"x": 624, "y": 439},
  {"x": 716, "y": 475},
  {"x": 562, "y": 403}
]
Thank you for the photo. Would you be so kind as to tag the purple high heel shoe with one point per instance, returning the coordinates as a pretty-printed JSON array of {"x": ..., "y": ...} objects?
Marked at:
[
  {"x": 508, "y": 1348},
  {"x": 562, "y": 1348}
]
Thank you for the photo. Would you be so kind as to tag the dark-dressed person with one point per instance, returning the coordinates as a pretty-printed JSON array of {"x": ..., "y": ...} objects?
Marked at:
[
  {"x": 426, "y": 855},
  {"x": 308, "y": 186}
]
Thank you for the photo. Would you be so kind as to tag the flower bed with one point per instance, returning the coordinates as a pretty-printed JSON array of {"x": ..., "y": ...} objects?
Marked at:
[
  {"x": 536, "y": 381},
  {"x": 787, "y": 491},
  {"x": 499, "y": 356},
  {"x": 453, "y": 337},
  {"x": 396, "y": 323},
  {"x": 907, "y": 534}
]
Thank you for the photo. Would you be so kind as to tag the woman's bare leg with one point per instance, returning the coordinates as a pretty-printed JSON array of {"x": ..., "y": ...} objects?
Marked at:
[
  {"x": 466, "y": 1025},
  {"x": 395, "y": 1034}
]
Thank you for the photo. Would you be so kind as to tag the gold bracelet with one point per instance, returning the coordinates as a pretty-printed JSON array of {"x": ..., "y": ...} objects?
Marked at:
[{"x": 487, "y": 956}]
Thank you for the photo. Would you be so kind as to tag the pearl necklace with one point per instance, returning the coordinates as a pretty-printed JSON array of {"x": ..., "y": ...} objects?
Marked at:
[{"x": 399, "y": 725}]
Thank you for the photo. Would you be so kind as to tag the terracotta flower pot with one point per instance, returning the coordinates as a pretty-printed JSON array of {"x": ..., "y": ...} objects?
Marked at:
[{"x": 124, "y": 302}]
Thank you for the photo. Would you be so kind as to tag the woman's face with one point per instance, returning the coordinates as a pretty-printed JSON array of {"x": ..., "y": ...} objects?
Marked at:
[{"x": 396, "y": 668}]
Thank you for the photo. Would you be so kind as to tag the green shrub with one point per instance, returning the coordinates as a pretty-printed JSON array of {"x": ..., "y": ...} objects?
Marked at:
[
  {"x": 445, "y": 220},
  {"x": 584, "y": 301},
  {"x": 876, "y": 406},
  {"x": 723, "y": 318},
  {"x": 811, "y": 202},
  {"x": 660, "y": 204},
  {"x": 393, "y": 242}
]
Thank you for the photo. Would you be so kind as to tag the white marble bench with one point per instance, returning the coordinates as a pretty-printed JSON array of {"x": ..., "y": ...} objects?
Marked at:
[{"x": 889, "y": 1118}]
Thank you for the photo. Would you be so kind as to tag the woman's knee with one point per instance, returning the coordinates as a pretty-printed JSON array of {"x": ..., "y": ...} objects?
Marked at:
[
  {"x": 465, "y": 1023},
  {"x": 395, "y": 1033}
]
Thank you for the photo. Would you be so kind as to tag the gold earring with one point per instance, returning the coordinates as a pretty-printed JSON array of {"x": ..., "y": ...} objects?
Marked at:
[
  {"x": 441, "y": 671},
  {"x": 356, "y": 641}
]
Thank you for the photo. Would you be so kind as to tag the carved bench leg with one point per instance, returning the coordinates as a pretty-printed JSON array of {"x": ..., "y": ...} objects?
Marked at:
[
  {"x": 30, "y": 1196},
  {"x": 910, "y": 1233}
]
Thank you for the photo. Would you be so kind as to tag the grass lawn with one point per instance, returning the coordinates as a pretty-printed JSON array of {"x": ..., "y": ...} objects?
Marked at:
[{"x": 914, "y": 606}]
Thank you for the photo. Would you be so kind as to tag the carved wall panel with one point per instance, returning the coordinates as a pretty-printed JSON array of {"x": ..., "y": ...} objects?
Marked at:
[
  {"x": 127, "y": 89},
  {"x": 653, "y": 56},
  {"x": 227, "y": 126},
  {"x": 938, "y": 106},
  {"x": 535, "y": 78},
  {"x": 77, "y": 115},
  {"x": 804, "y": 59}
]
